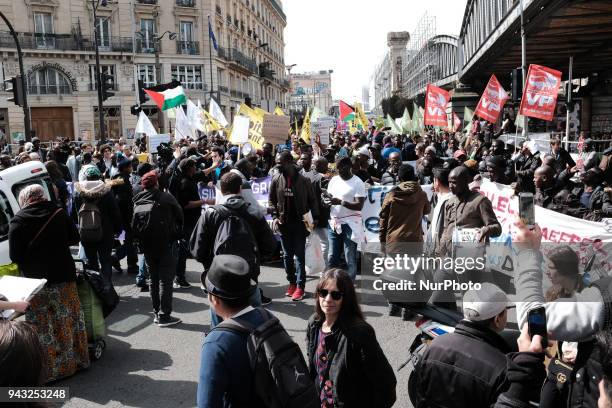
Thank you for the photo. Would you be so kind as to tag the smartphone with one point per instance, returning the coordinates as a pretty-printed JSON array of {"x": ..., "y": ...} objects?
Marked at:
[
  {"x": 527, "y": 209},
  {"x": 536, "y": 322}
]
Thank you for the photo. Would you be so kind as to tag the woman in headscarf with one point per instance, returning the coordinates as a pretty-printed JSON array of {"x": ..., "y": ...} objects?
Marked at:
[{"x": 40, "y": 236}]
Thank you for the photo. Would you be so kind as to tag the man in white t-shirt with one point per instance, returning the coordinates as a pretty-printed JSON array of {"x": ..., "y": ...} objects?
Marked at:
[{"x": 346, "y": 229}]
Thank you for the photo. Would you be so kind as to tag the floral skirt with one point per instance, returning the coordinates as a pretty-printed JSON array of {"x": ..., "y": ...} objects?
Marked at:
[{"x": 56, "y": 314}]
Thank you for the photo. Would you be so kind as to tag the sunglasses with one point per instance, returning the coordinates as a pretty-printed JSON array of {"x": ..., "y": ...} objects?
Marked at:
[{"x": 334, "y": 294}]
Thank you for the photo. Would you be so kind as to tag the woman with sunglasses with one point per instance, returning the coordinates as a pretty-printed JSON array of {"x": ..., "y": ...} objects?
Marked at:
[{"x": 344, "y": 358}]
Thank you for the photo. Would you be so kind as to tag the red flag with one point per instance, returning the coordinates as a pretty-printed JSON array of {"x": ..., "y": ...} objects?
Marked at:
[
  {"x": 492, "y": 101},
  {"x": 456, "y": 122},
  {"x": 436, "y": 100},
  {"x": 540, "y": 94}
]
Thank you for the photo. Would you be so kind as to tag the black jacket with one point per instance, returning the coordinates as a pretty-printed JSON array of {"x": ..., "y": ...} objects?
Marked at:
[
  {"x": 49, "y": 256},
  {"x": 562, "y": 160},
  {"x": 466, "y": 368},
  {"x": 304, "y": 197},
  {"x": 204, "y": 235},
  {"x": 360, "y": 372},
  {"x": 388, "y": 179},
  {"x": 122, "y": 189},
  {"x": 525, "y": 169}
]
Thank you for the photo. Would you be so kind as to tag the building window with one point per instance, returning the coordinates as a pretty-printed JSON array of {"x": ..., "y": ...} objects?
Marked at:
[
  {"x": 219, "y": 77},
  {"x": 48, "y": 81},
  {"x": 105, "y": 69},
  {"x": 190, "y": 76},
  {"x": 146, "y": 73},
  {"x": 103, "y": 29},
  {"x": 112, "y": 121},
  {"x": 43, "y": 30},
  {"x": 147, "y": 37}
]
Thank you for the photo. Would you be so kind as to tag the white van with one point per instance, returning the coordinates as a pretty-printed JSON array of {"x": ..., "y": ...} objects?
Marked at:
[{"x": 12, "y": 181}]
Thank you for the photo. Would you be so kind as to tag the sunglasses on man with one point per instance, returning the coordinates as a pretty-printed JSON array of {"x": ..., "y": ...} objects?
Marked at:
[{"x": 335, "y": 295}]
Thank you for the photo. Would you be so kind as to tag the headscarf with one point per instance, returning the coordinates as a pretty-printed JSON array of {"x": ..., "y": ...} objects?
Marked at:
[{"x": 32, "y": 194}]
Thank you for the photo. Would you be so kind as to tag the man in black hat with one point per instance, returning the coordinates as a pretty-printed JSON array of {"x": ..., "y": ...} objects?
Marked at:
[
  {"x": 225, "y": 366},
  {"x": 37, "y": 149},
  {"x": 122, "y": 189}
]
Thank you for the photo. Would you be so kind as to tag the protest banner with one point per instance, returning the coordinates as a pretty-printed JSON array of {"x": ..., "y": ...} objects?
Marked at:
[
  {"x": 322, "y": 128},
  {"x": 492, "y": 101},
  {"x": 156, "y": 140},
  {"x": 256, "y": 126},
  {"x": 540, "y": 94},
  {"x": 240, "y": 130},
  {"x": 586, "y": 237},
  {"x": 435, "y": 106},
  {"x": 275, "y": 129}
]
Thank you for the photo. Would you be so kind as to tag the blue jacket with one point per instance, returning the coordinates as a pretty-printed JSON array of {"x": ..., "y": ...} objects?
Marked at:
[{"x": 225, "y": 372}]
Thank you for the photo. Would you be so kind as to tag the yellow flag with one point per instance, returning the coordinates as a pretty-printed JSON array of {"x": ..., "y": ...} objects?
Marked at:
[
  {"x": 256, "y": 126},
  {"x": 278, "y": 111},
  {"x": 352, "y": 127},
  {"x": 211, "y": 123},
  {"x": 360, "y": 116},
  {"x": 305, "y": 135},
  {"x": 260, "y": 111}
]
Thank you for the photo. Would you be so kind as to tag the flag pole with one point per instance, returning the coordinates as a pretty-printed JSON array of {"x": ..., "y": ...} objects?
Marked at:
[{"x": 210, "y": 56}]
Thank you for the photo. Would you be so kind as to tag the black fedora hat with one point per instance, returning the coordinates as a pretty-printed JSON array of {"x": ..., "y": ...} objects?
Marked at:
[{"x": 228, "y": 278}]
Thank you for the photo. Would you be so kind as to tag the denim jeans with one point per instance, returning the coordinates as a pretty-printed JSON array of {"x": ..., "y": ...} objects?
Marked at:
[
  {"x": 293, "y": 241},
  {"x": 254, "y": 300},
  {"x": 143, "y": 272},
  {"x": 336, "y": 242},
  {"x": 101, "y": 252},
  {"x": 162, "y": 267}
]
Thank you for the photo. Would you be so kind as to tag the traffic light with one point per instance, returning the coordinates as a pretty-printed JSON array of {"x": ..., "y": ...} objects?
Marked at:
[
  {"x": 14, "y": 85},
  {"x": 517, "y": 84},
  {"x": 107, "y": 86},
  {"x": 135, "y": 110},
  {"x": 142, "y": 95}
]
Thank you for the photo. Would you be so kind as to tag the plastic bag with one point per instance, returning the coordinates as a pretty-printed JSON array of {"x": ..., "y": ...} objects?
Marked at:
[{"x": 315, "y": 264}]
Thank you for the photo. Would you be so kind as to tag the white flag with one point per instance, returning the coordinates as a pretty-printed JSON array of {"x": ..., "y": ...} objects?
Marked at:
[
  {"x": 182, "y": 129},
  {"x": 144, "y": 125},
  {"x": 216, "y": 112},
  {"x": 194, "y": 115}
]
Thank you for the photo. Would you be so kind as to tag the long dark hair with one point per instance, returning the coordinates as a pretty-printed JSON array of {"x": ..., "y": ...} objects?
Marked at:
[
  {"x": 21, "y": 358},
  {"x": 350, "y": 311}
]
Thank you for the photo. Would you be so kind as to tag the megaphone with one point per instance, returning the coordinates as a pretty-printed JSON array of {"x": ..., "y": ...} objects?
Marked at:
[{"x": 247, "y": 148}]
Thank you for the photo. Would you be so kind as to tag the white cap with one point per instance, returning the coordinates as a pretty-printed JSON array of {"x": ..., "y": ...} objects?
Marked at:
[
  {"x": 483, "y": 304},
  {"x": 364, "y": 151}
]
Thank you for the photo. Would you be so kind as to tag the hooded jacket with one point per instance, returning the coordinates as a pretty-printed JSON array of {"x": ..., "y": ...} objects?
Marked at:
[
  {"x": 100, "y": 193},
  {"x": 202, "y": 240},
  {"x": 47, "y": 257},
  {"x": 401, "y": 213}
]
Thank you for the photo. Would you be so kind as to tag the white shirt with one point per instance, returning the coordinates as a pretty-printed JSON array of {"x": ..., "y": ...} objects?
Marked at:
[
  {"x": 346, "y": 190},
  {"x": 436, "y": 212}
]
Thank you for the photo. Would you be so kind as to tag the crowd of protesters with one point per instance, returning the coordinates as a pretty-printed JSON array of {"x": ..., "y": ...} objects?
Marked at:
[{"x": 316, "y": 192}]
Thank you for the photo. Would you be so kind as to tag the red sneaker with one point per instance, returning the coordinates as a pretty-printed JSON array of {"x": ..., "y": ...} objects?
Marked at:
[
  {"x": 298, "y": 295},
  {"x": 291, "y": 290}
]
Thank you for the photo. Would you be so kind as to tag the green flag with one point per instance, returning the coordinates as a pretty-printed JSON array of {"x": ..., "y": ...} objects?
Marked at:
[
  {"x": 406, "y": 122},
  {"x": 417, "y": 118},
  {"x": 468, "y": 116},
  {"x": 395, "y": 129}
]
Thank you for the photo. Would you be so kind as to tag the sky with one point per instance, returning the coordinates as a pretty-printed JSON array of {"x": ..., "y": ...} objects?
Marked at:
[{"x": 350, "y": 36}]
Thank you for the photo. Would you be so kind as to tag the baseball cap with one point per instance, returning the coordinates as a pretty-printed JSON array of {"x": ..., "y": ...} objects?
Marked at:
[
  {"x": 364, "y": 151},
  {"x": 459, "y": 153},
  {"x": 483, "y": 304}
]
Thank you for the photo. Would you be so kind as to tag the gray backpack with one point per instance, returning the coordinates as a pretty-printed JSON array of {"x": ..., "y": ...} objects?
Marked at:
[{"x": 90, "y": 223}]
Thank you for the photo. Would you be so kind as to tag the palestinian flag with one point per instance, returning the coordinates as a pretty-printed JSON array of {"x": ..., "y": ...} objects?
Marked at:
[
  {"x": 167, "y": 96},
  {"x": 347, "y": 112}
]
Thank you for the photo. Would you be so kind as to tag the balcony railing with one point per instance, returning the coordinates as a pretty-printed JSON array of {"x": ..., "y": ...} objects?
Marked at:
[
  {"x": 147, "y": 1},
  {"x": 185, "y": 3},
  {"x": 223, "y": 89},
  {"x": 238, "y": 57},
  {"x": 49, "y": 90},
  {"x": 64, "y": 42},
  {"x": 188, "y": 47},
  {"x": 218, "y": 10},
  {"x": 146, "y": 47}
]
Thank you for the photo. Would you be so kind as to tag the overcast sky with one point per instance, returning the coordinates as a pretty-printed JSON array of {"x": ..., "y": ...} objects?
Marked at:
[{"x": 350, "y": 36}]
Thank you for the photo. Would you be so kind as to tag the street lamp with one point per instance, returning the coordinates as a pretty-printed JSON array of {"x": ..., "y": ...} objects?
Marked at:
[{"x": 156, "y": 42}]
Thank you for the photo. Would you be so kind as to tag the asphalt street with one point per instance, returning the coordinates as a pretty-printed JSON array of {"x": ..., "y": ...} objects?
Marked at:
[{"x": 147, "y": 366}]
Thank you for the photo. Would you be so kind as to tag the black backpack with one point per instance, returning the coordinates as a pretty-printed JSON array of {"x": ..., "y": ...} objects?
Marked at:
[
  {"x": 234, "y": 236},
  {"x": 151, "y": 227},
  {"x": 280, "y": 373}
]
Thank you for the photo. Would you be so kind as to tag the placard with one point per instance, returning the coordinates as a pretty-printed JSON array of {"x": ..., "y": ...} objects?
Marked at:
[
  {"x": 156, "y": 140},
  {"x": 240, "y": 130},
  {"x": 275, "y": 129},
  {"x": 322, "y": 127}
]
